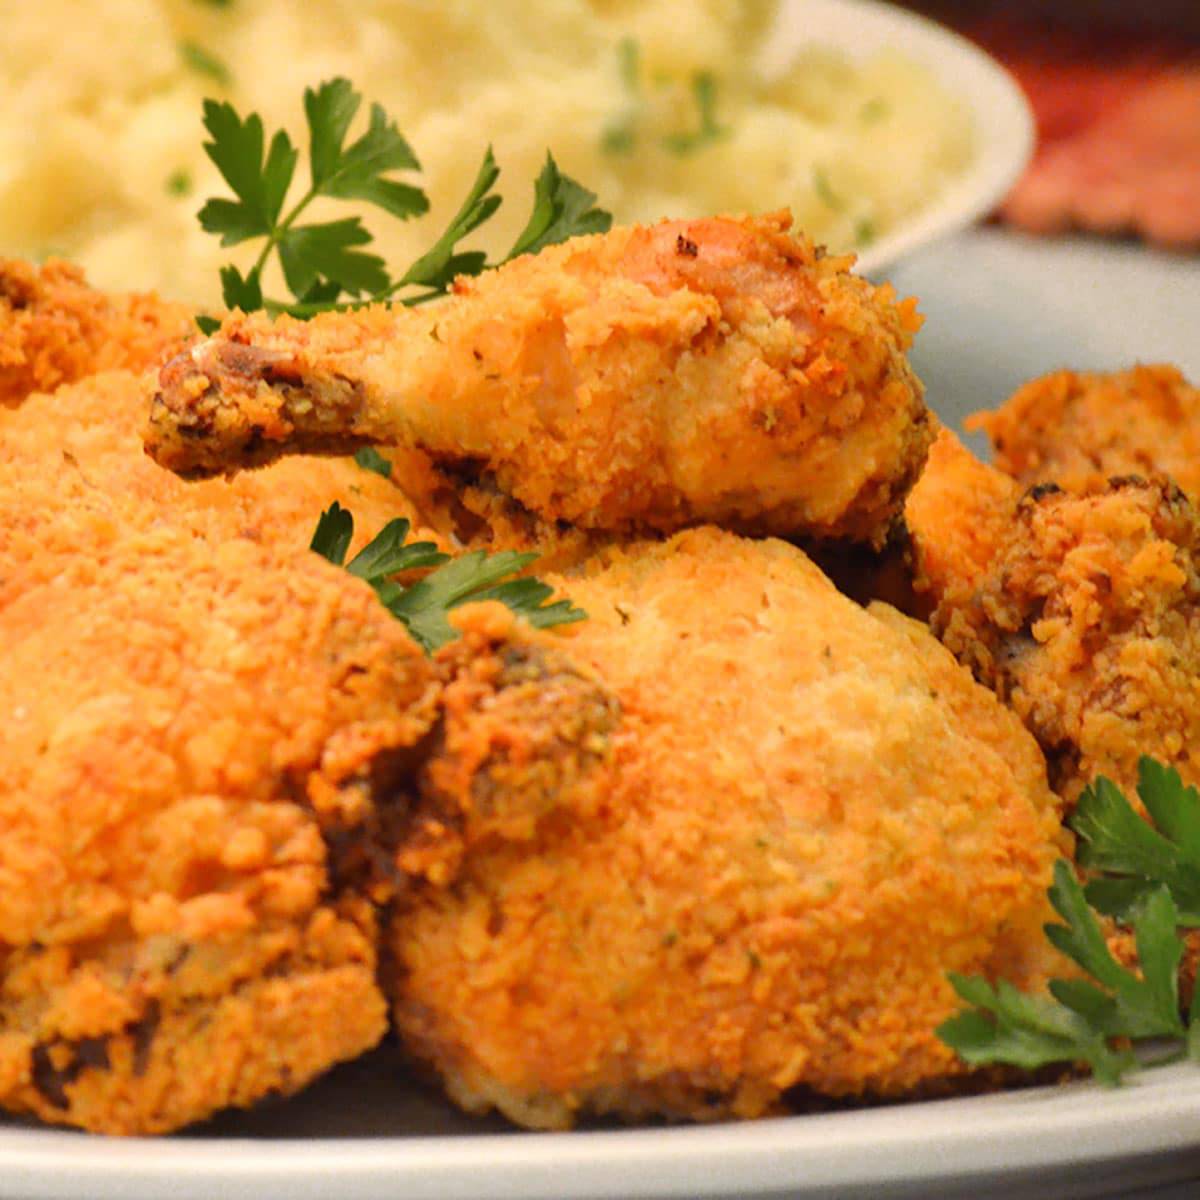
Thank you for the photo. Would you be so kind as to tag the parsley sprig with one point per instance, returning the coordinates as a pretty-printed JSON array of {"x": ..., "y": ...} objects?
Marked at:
[
  {"x": 327, "y": 264},
  {"x": 1129, "y": 857},
  {"x": 424, "y": 604},
  {"x": 1144, "y": 873}
]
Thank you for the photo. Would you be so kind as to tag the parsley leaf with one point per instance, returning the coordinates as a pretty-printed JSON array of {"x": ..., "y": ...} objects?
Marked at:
[
  {"x": 561, "y": 209},
  {"x": 236, "y": 149},
  {"x": 1080, "y": 1020},
  {"x": 356, "y": 172},
  {"x": 1130, "y": 857},
  {"x": 371, "y": 460},
  {"x": 423, "y": 605},
  {"x": 1146, "y": 874},
  {"x": 333, "y": 534},
  {"x": 314, "y": 254},
  {"x": 323, "y": 262},
  {"x": 437, "y": 267}
]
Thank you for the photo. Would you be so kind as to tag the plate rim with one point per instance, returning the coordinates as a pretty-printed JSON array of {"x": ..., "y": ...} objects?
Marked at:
[{"x": 938, "y": 1141}]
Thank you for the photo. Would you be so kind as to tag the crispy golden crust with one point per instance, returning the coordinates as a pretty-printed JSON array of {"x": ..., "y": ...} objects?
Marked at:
[
  {"x": 1077, "y": 429},
  {"x": 210, "y": 744},
  {"x": 957, "y": 515},
  {"x": 715, "y": 370},
  {"x": 54, "y": 329},
  {"x": 81, "y": 450},
  {"x": 177, "y": 740},
  {"x": 1087, "y": 622},
  {"x": 813, "y": 814}
]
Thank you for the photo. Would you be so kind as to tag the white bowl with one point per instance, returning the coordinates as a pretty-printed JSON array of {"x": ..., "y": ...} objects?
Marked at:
[{"x": 1004, "y": 128}]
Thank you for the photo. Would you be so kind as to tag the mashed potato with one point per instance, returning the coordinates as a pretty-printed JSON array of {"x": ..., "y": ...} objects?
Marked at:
[{"x": 100, "y": 135}]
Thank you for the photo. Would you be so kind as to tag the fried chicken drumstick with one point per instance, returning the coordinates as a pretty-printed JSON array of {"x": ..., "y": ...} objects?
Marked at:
[{"x": 713, "y": 370}]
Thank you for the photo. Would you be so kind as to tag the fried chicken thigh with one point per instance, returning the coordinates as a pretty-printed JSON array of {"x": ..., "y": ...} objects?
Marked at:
[
  {"x": 214, "y": 743},
  {"x": 813, "y": 814},
  {"x": 713, "y": 370}
]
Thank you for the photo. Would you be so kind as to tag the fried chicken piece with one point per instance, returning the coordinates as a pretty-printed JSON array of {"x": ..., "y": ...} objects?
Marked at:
[
  {"x": 814, "y": 813},
  {"x": 82, "y": 447},
  {"x": 176, "y": 736},
  {"x": 212, "y": 753},
  {"x": 55, "y": 329},
  {"x": 1077, "y": 429},
  {"x": 1086, "y": 620},
  {"x": 713, "y": 370},
  {"x": 956, "y": 517}
]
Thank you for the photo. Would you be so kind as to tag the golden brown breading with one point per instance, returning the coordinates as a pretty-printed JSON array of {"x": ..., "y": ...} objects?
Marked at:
[
  {"x": 81, "y": 447},
  {"x": 209, "y": 753},
  {"x": 956, "y": 517},
  {"x": 175, "y": 739},
  {"x": 814, "y": 814},
  {"x": 54, "y": 329},
  {"x": 1077, "y": 429},
  {"x": 713, "y": 370},
  {"x": 209, "y": 736},
  {"x": 1087, "y": 622}
]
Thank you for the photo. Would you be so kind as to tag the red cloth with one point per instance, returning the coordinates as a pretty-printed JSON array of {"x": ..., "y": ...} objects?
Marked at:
[{"x": 1118, "y": 131}]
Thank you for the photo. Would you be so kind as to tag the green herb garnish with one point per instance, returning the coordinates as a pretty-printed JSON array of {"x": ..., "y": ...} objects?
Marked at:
[
  {"x": 1129, "y": 857},
  {"x": 825, "y": 192},
  {"x": 179, "y": 183},
  {"x": 205, "y": 63},
  {"x": 423, "y": 605},
  {"x": 1146, "y": 876},
  {"x": 371, "y": 460},
  {"x": 874, "y": 110},
  {"x": 620, "y": 134},
  {"x": 708, "y": 130},
  {"x": 326, "y": 261}
]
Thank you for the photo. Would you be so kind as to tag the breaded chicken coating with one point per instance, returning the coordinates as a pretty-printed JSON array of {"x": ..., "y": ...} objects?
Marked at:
[
  {"x": 213, "y": 743},
  {"x": 173, "y": 936},
  {"x": 1078, "y": 429},
  {"x": 713, "y": 370},
  {"x": 813, "y": 814},
  {"x": 54, "y": 329},
  {"x": 956, "y": 517},
  {"x": 212, "y": 755},
  {"x": 81, "y": 447},
  {"x": 1086, "y": 620}
]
